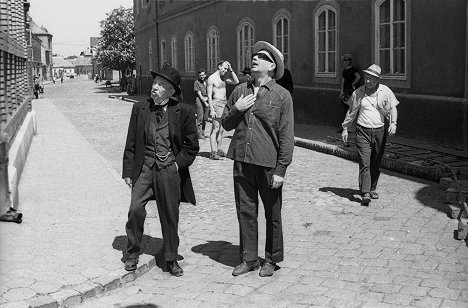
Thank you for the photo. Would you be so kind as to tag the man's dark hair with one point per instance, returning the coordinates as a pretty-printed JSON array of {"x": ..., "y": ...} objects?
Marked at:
[
  {"x": 221, "y": 62},
  {"x": 201, "y": 71}
]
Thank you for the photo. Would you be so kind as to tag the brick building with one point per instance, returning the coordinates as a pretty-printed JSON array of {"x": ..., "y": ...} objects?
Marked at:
[
  {"x": 16, "y": 117},
  {"x": 421, "y": 46}
]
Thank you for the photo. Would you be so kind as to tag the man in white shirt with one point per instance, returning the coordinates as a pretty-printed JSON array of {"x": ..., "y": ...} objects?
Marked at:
[{"x": 371, "y": 106}]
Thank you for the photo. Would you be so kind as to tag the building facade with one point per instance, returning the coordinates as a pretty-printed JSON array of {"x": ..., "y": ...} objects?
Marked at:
[
  {"x": 15, "y": 97},
  {"x": 44, "y": 67},
  {"x": 421, "y": 46}
]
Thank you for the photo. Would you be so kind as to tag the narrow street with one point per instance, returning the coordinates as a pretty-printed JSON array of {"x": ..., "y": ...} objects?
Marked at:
[{"x": 398, "y": 252}]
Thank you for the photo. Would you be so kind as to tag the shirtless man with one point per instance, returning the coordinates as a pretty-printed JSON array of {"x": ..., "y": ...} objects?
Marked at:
[{"x": 216, "y": 90}]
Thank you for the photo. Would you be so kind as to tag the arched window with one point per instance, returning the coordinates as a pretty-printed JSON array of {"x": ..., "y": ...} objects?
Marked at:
[
  {"x": 163, "y": 52},
  {"x": 245, "y": 42},
  {"x": 326, "y": 41},
  {"x": 174, "y": 51},
  {"x": 281, "y": 37},
  {"x": 189, "y": 53},
  {"x": 212, "y": 49},
  {"x": 391, "y": 37}
]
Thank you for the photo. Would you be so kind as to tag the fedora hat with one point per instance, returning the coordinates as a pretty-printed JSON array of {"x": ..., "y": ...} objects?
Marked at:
[
  {"x": 373, "y": 70},
  {"x": 246, "y": 70},
  {"x": 273, "y": 51},
  {"x": 170, "y": 74}
]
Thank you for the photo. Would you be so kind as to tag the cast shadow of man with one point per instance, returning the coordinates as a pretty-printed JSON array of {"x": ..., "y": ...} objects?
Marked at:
[
  {"x": 150, "y": 246},
  {"x": 347, "y": 193},
  {"x": 220, "y": 251}
]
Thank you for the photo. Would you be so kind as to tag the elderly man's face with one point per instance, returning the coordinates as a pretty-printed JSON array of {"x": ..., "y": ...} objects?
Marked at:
[{"x": 161, "y": 90}]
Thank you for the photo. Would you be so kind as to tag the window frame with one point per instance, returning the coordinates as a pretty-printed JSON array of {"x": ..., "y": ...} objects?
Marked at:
[
  {"x": 324, "y": 9},
  {"x": 251, "y": 40},
  {"x": 150, "y": 54},
  {"x": 189, "y": 52},
  {"x": 163, "y": 51},
  {"x": 215, "y": 59},
  {"x": 174, "y": 51},
  {"x": 283, "y": 14},
  {"x": 396, "y": 80}
]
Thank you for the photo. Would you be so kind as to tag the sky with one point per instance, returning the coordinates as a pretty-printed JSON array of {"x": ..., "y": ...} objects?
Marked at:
[{"x": 72, "y": 22}]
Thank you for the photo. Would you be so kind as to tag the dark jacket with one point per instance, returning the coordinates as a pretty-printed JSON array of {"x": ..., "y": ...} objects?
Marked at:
[{"x": 182, "y": 135}]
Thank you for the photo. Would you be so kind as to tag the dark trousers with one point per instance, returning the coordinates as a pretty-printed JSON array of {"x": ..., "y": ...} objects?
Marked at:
[
  {"x": 164, "y": 186},
  {"x": 201, "y": 117},
  {"x": 370, "y": 143},
  {"x": 250, "y": 181}
]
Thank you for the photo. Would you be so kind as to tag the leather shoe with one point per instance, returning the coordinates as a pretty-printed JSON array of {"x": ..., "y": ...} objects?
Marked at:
[
  {"x": 366, "y": 199},
  {"x": 374, "y": 195},
  {"x": 131, "y": 263},
  {"x": 267, "y": 269},
  {"x": 175, "y": 269},
  {"x": 244, "y": 268}
]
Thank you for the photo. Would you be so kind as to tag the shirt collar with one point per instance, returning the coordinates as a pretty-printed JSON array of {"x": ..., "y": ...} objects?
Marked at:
[{"x": 269, "y": 85}]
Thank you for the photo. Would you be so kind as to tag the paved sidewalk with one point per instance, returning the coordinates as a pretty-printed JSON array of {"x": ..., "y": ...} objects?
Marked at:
[{"x": 68, "y": 247}]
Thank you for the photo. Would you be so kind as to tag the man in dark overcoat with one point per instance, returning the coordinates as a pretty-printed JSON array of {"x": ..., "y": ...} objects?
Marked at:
[{"x": 161, "y": 144}]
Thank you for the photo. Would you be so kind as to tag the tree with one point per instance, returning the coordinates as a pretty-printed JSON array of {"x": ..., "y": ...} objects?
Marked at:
[{"x": 116, "y": 47}]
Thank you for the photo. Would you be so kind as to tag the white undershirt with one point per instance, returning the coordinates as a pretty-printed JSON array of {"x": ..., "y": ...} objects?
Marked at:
[{"x": 369, "y": 116}]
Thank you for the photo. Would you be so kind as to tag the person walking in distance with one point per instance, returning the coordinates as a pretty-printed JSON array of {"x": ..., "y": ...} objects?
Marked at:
[
  {"x": 161, "y": 144},
  {"x": 199, "y": 86},
  {"x": 216, "y": 90},
  {"x": 374, "y": 107},
  {"x": 261, "y": 112}
]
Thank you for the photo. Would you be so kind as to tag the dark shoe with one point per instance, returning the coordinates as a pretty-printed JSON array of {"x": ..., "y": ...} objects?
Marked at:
[
  {"x": 131, "y": 263},
  {"x": 245, "y": 267},
  {"x": 366, "y": 199},
  {"x": 175, "y": 269},
  {"x": 221, "y": 153},
  {"x": 374, "y": 195},
  {"x": 214, "y": 156},
  {"x": 267, "y": 269}
]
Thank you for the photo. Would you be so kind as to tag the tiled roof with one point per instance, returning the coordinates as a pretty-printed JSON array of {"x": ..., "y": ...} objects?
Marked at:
[
  {"x": 36, "y": 29},
  {"x": 59, "y": 62},
  {"x": 81, "y": 61}
]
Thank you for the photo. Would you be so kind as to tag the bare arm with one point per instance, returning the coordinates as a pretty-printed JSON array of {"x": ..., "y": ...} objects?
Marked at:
[
  {"x": 233, "y": 79},
  {"x": 356, "y": 79},
  {"x": 209, "y": 91},
  {"x": 393, "y": 121}
]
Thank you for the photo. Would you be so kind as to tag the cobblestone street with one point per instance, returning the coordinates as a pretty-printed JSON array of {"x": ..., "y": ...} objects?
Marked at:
[{"x": 398, "y": 252}]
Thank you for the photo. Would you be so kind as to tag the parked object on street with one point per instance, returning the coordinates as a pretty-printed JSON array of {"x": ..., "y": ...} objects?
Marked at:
[
  {"x": 261, "y": 112},
  {"x": 372, "y": 106}
]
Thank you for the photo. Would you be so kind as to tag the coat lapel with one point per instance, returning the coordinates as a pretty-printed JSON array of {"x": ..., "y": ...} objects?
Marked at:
[
  {"x": 145, "y": 113},
  {"x": 173, "y": 110}
]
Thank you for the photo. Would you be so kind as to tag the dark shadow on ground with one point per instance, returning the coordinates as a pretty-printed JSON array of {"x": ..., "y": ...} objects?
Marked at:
[
  {"x": 220, "y": 251},
  {"x": 142, "y": 306},
  {"x": 347, "y": 193},
  {"x": 150, "y": 245}
]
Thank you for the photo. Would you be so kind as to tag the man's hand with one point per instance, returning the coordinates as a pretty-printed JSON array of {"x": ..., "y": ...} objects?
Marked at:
[
  {"x": 229, "y": 66},
  {"x": 276, "y": 181},
  {"x": 213, "y": 114},
  {"x": 392, "y": 129},
  {"x": 344, "y": 135},
  {"x": 244, "y": 103},
  {"x": 128, "y": 181}
]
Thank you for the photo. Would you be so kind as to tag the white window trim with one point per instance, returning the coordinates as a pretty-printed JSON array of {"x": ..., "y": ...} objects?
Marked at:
[
  {"x": 163, "y": 52},
  {"x": 216, "y": 56},
  {"x": 150, "y": 55},
  {"x": 189, "y": 52},
  {"x": 283, "y": 14},
  {"x": 316, "y": 56},
  {"x": 174, "y": 51},
  {"x": 244, "y": 22},
  {"x": 402, "y": 80}
]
